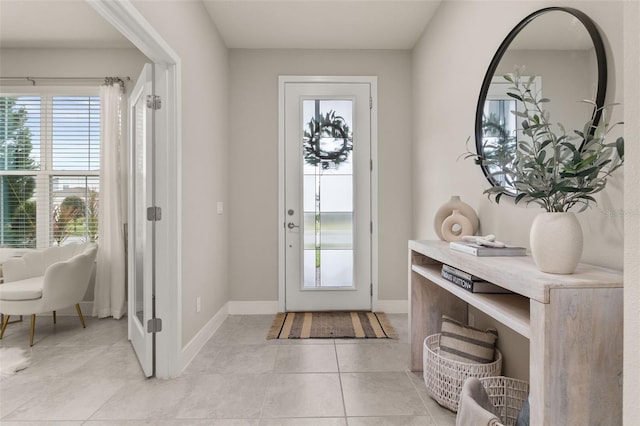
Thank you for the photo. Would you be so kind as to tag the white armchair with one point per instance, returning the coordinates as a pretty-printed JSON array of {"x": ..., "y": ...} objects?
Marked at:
[{"x": 46, "y": 281}]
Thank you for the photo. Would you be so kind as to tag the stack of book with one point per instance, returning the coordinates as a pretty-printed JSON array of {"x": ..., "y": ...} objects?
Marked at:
[
  {"x": 479, "y": 250},
  {"x": 470, "y": 282}
]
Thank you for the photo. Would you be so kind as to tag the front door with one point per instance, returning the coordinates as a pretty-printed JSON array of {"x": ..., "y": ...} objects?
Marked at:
[
  {"x": 327, "y": 196},
  {"x": 141, "y": 231}
]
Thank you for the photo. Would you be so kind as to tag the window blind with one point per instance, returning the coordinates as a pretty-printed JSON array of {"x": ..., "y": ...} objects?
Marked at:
[{"x": 49, "y": 169}]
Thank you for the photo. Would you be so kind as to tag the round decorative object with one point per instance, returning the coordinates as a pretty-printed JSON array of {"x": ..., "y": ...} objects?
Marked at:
[
  {"x": 456, "y": 226},
  {"x": 455, "y": 203},
  {"x": 584, "y": 33},
  {"x": 556, "y": 242},
  {"x": 328, "y": 127}
]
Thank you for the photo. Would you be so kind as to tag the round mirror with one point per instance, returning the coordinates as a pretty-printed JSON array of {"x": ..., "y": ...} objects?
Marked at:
[{"x": 563, "y": 52}]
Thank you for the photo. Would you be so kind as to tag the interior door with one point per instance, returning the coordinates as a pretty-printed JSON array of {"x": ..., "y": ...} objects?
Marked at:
[
  {"x": 327, "y": 143},
  {"x": 141, "y": 231}
]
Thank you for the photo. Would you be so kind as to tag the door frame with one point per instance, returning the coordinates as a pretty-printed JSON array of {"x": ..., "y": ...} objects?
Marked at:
[
  {"x": 168, "y": 160},
  {"x": 373, "y": 82}
]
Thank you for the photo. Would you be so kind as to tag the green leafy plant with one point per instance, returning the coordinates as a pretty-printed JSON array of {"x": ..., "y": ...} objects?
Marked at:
[
  {"x": 549, "y": 167},
  {"x": 18, "y": 217}
]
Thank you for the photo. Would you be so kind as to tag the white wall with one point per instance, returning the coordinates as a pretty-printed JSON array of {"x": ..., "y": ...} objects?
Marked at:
[
  {"x": 253, "y": 161},
  {"x": 449, "y": 64},
  {"x": 188, "y": 30},
  {"x": 631, "y": 410},
  {"x": 72, "y": 63}
]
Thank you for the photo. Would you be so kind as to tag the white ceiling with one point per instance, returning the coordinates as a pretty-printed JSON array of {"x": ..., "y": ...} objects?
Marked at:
[
  {"x": 55, "y": 24},
  {"x": 321, "y": 24},
  {"x": 326, "y": 24}
]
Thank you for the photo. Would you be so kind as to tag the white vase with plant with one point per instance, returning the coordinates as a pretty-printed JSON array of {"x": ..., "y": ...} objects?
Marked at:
[{"x": 556, "y": 170}]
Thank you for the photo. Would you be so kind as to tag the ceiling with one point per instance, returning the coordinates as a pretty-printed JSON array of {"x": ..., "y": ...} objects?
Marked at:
[
  {"x": 55, "y": 24},
  {"x": 309, "y": 24},
  {"x": 321, "y": 24}
]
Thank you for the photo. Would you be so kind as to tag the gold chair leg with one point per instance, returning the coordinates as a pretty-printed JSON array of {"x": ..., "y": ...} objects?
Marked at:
[
  {"x": 33, "y": 329},
  {"x": 54, "y": 317},
  {"x": 4, "y": 325},
  {"x": 80, "y": 315}
]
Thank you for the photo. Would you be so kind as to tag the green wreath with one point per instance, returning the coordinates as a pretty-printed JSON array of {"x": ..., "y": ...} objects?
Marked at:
[{"x": 329, "y": 125}]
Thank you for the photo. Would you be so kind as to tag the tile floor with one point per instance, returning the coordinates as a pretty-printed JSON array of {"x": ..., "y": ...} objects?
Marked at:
[{"x": 91, "y": 377}]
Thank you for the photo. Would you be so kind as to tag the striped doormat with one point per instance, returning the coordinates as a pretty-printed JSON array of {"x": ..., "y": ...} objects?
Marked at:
[{"x": 331, "y": 325}]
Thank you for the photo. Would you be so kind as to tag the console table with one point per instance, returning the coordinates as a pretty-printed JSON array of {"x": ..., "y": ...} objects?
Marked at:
[{"x": 573, "y": 323}]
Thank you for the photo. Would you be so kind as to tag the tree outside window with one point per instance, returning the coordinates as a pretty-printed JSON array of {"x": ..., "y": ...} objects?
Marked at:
[
  {"x": 49, "y": 169},
  {"x": 18, "y": 205}
]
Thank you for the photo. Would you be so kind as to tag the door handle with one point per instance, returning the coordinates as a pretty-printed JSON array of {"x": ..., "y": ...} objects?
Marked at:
[{"x": 291, "y": 225}]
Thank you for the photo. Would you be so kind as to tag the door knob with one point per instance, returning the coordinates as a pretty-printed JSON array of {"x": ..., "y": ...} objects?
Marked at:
[{"x": 291, "y": 225}]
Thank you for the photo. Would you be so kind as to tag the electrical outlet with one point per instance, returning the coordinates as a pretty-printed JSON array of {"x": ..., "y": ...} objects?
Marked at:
[
  {"x": 220, "y": 207},
  {"x": 198, "y": 304}
]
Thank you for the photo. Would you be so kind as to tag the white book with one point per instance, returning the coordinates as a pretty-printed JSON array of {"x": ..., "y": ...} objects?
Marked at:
[{"x": 478, "y": 250}]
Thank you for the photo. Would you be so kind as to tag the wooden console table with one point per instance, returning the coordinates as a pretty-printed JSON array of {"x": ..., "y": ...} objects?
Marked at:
[{"x": 573, "y": 323}]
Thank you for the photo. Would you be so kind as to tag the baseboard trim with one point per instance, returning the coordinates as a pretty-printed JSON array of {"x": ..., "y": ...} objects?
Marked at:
[
  {"x": 253, "y": 307},
  {"x": 191, "y": 349},
  {"x": 269, "y": 307}
]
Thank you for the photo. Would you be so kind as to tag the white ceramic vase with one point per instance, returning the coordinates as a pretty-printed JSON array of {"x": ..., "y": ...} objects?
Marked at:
[
  {"x": 556, "y": 242},
  {"x": 456, "y": 226},
  {"x": 446, "y": 210}
]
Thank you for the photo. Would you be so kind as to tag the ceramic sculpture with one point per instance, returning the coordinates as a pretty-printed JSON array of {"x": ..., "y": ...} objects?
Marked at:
[{"x": 446, "y": 210}]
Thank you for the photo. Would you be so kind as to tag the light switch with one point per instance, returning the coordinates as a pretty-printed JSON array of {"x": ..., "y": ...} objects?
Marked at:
[{"x": 220, "y": 207}]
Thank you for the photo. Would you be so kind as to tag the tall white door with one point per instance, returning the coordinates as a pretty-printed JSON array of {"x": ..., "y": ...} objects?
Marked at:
[
  {"x": 327, "y": 202},
  {"x": 141, "y": 230}
]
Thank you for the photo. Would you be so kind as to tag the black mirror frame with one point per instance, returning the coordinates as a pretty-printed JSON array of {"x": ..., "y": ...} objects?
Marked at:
[{"x": 601, "y": 60}]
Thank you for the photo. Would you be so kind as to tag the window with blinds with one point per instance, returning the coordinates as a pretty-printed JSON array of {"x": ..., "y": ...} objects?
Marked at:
[{"x": 49, "y": 168}]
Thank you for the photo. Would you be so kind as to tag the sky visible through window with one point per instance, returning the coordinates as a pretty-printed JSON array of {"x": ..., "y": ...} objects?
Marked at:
[{"x": 75, "y": 135}]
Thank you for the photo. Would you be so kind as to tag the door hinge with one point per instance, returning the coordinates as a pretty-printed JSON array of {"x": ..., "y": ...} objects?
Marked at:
[
  {"x": 371, "y": 227},
  {"x": 154, "y": 214},
  {"x": 154, "y": 325},
  {"x": 370, "y": 103},
  {"x": 154, "y": 102},
  {"x": 371, "y": 287},
  {"x": 371, "y": 165}
]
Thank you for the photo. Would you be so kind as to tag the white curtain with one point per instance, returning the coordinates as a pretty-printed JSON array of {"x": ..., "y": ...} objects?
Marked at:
[{"x": 110, "y": 269}]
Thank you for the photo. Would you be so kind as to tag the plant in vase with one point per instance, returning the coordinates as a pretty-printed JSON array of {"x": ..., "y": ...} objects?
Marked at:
[{"x": 556, "y": 170}]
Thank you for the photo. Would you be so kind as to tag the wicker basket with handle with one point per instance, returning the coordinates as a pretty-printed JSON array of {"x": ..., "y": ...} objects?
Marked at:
[
  {"x": 444, "y": 377},
  {"x": 507, "y": 395}
]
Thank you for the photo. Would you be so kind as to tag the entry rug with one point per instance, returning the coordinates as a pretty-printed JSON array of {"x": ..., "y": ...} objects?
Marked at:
[{"x": 331, "y": 325}]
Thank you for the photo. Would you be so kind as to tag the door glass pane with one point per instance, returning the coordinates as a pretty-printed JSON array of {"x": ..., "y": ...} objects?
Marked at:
[
  {"x": 328, "y": 193},
  {"x": 336, "y": 230},
  {"x": 336, "y": 193},
  {"x": 140, "y": 204}
]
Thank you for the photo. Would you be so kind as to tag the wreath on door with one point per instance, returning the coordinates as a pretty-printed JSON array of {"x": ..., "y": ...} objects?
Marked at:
[{"x": 328, "y": 126}]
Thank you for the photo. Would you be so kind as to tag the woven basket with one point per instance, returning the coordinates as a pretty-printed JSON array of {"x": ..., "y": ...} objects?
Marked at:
[
  {"x": 444, "y": 377},
  {"x": 507, "y": 395}
]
